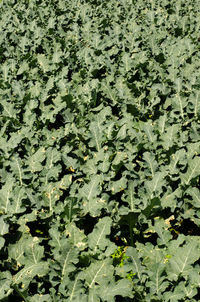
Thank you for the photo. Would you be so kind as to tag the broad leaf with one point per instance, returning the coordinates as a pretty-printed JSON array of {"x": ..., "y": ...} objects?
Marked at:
[
  {"x": 192, "y": 171},
  {"x": 98, "y": 238}
]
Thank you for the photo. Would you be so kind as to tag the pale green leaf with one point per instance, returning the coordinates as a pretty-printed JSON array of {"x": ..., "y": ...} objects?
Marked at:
[
  {"x": 4, "y": 227},
  {"x": 35, "y": 161},
  {"x": 170, "y": 136},
  {"x": 192, "y": 171},
  {"x": 149, "y": 130},
  {"x": 40, "y": 298},
  {"x": 67, "y": 258},
  {"x": 98, "y": 272},
  {"x": 26, "y": 275},
  {"x": 43, "y": 62},
  {"x": 5, "y": 284},
  {"x": 151, "y": 162},
  {"x": 2, "y": 242},
  {"x": 5, "y": 195},
  {"x": 195, "y": 193},
  {"x": 135, "y": 263},
  {"x": 154, "y": 186},
  {"x": 182, "y": 260},
  {"x": 158, "y": 281},
  {"x": 110, "y": 290},
  {"x": 98, "y": 238}
]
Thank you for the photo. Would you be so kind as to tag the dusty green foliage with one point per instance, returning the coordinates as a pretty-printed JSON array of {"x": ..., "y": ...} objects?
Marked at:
[{"x": 99, "y": 149}]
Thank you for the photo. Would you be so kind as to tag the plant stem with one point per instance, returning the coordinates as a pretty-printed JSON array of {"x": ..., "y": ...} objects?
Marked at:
[{"x": 131, "y": 232}]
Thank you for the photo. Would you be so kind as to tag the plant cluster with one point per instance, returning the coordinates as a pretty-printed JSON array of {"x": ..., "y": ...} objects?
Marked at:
[{"x": 99, "y": 151}]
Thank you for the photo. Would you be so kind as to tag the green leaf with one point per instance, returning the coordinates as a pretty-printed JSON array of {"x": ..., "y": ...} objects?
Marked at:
[
  {"x": 99, "y": 143},
  {"x": 75, "y": 289},
  {"x": 178, "y": 158},
  {"x": 164, "y": 235},
  {"x": 51, "y": 194},
  {"x": 76, "y": 236},
  {"x": 182, "y": 260},
  {"x": 98, "y": 272},
  {"x": 57, "y": 53},
  {"x": 69, "y": 161},
  {"x": 121, "y": 288},
  {"x": 195, "y": 193},
  {"x": 2, "y": 242},
  {"x": 154, "y": 186},
  {"x": 5, "y": 284},
  {"x": 108, "y": 91},
  {"x": 122, "y": 132},
  {"x": 89, "y": 193},
  {"x": 5, "y": 70},
  {"x": 151, "y": 162},
  {"x": 4, "y": 227},
  {"x": 24, "y": 67},
  {"x": 17, "y": 251},
  {"x": 67, "y": 258},
  {"x": 158, "y": 282},
  {"x": 5, "y": 195},
  {"x": 70, "y": 209},
  {"x": 52, "y": 168},
  {"x": 98, "y": 238},
  {"x": 43, "y": 62},
  {"x": 135, "y": 263},
  {"x": 40, "y": 298},
  {"x": 119, "y": 158},
  {"x": 130, "y": 196},
  {"x": 9, "y": 109},
  {"x": 118, "y": 185},
  {"x": 161, "y": 123},
  {"x": 192, "y": 171},
  {"x": 193, "y": 149},
  {"x": 55, "y": 236},
  {"x": 170, "y": 136},
  {"x": 103, "y": 157},
  {"x": 149, "y": 130},
  {"x": 179, "y": 103},
  {"x": 34, "y": 162},
  {"x": 196, "y": 103},
  {"x": 170, "y": 198},
  {"x": 93, "y": 295},
  {"x": 96, "y": 135},
  {"x": 194, "y": 277},
  {"x": 33, "y": 251},
  {"x": 26, "y": 275},
  {"x": 181, "y": 292}
]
